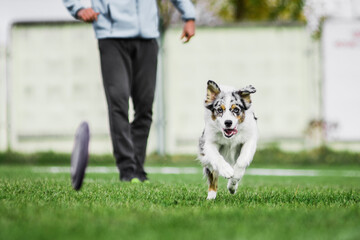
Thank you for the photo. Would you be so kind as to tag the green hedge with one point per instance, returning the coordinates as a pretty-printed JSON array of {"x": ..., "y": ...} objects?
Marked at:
[
  {"x": 267, "y": 156},
  {"x": 318, "y": 156},
  {"x": 48, "y": 158}
]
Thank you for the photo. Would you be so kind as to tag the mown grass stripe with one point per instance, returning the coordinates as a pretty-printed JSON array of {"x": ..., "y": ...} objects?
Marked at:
[{"x": 194, "y": 170}]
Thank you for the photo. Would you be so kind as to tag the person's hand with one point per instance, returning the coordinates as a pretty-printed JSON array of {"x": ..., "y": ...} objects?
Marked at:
[
  {"x": 87, "y": 15},
  {"x": 188, "y": 31}
]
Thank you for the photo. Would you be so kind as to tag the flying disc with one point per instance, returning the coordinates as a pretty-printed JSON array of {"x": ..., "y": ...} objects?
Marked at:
[{"x": 80, "y": 155}]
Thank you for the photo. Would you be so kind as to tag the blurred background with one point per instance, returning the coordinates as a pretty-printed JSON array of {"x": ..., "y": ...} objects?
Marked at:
[{"x": 302, "y": 56}]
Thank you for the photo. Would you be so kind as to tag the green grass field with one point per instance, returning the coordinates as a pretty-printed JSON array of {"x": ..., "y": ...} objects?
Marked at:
[{"x": 41, "y": 205}]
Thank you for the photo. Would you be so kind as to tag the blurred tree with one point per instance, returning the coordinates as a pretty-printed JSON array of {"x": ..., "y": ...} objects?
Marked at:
[
  {"x": 267, "y": 10},
  {"x": 216, "y": 12},
  {"x": 166, "y": 10},
  {"x": 239, "y": 9}
]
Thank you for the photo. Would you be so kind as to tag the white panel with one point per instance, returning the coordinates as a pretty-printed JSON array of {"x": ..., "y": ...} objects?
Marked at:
[
  {"x": 275, "y": 60},
  {"x": 56, "y": 84},
  {"x": 341, "y": 56},
  {"x": 3, "y": 140}
]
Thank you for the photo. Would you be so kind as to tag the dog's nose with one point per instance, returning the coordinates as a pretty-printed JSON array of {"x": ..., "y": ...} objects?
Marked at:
[{"x": 228, "y": 123}]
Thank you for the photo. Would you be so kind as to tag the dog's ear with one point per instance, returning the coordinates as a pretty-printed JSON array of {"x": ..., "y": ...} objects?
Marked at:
[
  {"x": 245, "y": 95},
  {"x": 212, "y": 91}
]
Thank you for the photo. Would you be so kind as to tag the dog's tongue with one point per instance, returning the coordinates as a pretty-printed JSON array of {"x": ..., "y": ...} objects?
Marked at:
[{"x": 230, "y": 132}]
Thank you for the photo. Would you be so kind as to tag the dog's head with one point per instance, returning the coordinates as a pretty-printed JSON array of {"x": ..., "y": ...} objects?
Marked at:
[{"x": 228, "y": 107}]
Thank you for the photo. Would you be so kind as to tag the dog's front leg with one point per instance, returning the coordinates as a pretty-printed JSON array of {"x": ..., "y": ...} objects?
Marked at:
[
  {"x": 215, "y": 162},
  {"x": 244, "y": 160}
]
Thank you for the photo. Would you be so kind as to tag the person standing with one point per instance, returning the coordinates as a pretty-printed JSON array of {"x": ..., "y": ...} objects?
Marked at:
[{"x": 127, "y": 31}]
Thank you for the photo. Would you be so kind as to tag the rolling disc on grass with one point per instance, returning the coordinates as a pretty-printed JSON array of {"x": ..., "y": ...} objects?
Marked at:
[{"x": 80, "y": 155}]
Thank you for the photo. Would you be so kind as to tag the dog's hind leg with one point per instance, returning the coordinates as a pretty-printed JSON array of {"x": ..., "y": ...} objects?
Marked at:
[{"x": 212, "y": 177}]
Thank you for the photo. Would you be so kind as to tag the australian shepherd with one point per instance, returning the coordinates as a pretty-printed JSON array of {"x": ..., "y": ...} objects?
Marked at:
[{"x": 228, "y": 142}]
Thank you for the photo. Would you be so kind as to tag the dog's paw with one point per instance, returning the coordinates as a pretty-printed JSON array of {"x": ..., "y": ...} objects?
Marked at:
[
  {"x": 232, "y": 185},
  {"x": 239, "y": 172},
  {"x": 226, "y": 170},
  {"x": 211, "y": 195}
]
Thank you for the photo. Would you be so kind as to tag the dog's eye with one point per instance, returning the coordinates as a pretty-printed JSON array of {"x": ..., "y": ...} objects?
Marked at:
[
  {"x": 220, "y": 110},
  {"x": 236, "y": 110}
]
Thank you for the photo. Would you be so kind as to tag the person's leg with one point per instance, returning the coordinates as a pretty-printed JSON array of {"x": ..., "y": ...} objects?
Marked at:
[
  {"x": 142, "y": 93},
  {"x": 116, "y": 71}
]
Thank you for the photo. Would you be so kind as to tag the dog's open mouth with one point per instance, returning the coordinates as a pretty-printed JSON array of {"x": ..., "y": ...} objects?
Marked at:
[{"x": 229, "y": 132}]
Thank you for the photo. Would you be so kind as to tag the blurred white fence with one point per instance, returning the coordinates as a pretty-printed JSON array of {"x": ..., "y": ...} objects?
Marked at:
[
  {"x": 341, "y": 61},
  {"x": 281, "y": 62},
  {"x": 54, "y": 83}
]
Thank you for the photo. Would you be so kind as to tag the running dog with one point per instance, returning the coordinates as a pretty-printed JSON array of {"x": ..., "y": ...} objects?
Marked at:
[{"x": 228, "y": 142}]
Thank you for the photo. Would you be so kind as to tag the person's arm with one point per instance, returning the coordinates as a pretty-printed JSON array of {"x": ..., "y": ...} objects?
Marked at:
[
  {"x": 78, "y": 11},
  {"x": 188, "y": 30},
  {"x": 73, "y": 6},
  {"x": 187, "y": 10}
]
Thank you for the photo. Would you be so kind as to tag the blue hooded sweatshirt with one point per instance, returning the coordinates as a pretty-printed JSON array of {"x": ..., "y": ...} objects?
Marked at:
[{"x": 128, "y": 18}]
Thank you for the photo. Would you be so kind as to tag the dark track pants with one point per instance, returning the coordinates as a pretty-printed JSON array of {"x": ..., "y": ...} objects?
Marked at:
[{"x": 129, "y": 70}]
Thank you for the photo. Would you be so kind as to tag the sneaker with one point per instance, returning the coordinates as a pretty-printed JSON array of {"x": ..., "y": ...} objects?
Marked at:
[
  {"x": 135, "y": 180},
  {"x": 126, "y": 175},
  {"x": 142, "y": 176}
]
